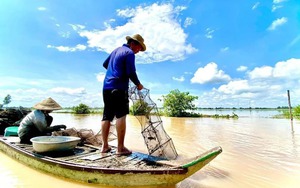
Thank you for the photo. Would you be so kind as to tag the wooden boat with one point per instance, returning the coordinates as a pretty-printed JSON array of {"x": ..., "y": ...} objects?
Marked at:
[{"x": 86, "y": 164}]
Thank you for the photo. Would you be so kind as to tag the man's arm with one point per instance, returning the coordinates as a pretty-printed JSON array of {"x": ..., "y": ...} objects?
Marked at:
[
  {"x": 41, "y": 125},
  {"x": 130, "y": 69}
]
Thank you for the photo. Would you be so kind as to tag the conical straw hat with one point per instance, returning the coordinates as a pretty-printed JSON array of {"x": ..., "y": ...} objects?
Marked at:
[{"x": 47, "y": 104}]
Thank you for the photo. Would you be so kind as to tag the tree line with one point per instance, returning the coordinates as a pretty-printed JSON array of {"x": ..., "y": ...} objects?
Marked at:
[{"x": 175, "y": 104}]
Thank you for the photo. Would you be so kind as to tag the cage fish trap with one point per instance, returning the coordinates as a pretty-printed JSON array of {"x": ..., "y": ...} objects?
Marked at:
[{"x": 145, "y": 110}]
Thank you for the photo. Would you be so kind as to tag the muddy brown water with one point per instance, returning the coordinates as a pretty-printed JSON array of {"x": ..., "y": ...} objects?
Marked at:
[{"x": 257, "y": 152}]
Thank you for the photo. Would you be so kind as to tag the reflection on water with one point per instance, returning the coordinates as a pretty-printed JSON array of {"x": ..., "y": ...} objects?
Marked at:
[{"x": 257, "y": 152}]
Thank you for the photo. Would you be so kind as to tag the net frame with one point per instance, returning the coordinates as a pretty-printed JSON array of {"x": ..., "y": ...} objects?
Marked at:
[{"x": 158, "y": 142}]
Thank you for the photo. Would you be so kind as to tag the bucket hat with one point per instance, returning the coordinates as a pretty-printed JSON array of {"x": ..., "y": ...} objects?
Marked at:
[
  {"x": 139, "y": 39},
  {"x": 47, "y": 104}
]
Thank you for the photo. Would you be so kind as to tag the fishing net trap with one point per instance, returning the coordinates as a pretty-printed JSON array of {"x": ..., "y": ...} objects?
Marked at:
[{"x": 145, "y": 110}]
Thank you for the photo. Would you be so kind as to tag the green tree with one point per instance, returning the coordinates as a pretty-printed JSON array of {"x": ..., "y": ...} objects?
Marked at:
[
  {"x": 81, "y": 109},
  {"x": 176, "y": 103},
  {"x": 6, "y": 100}
]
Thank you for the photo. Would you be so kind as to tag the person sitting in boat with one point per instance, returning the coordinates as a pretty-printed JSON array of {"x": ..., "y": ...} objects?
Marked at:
[{"x": 37, "y": 122}]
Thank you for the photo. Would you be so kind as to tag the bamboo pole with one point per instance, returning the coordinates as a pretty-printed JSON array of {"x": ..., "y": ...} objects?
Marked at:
[{"x": 290, "y": 108}]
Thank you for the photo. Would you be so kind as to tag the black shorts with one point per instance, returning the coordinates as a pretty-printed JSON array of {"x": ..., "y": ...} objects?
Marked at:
[{"x": 116, "y": 104}]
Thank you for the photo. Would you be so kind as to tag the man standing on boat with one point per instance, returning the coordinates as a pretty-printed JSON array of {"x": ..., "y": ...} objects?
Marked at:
[
  {"x": 120, "y": 66},
  {"x": 37, "y": 122}
]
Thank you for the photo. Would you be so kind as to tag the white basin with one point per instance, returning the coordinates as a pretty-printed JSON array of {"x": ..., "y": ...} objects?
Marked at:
[{"x": 54, "y": 143}]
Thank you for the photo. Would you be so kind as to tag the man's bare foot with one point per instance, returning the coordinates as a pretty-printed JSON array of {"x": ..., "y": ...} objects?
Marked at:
[
  {"x": 106, "y": 150},
  {"x": 124, "y": 151}
]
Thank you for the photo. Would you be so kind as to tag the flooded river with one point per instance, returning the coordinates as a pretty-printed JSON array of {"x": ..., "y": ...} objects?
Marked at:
[{"x": 257, "y": 152}]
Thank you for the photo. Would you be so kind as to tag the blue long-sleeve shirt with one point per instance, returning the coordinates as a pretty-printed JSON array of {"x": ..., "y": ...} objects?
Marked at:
[{"x": 120, "y": 66}]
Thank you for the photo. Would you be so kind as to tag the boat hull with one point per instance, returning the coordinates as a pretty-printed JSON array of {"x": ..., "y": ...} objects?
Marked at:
[{"x": 107, "y": 176}]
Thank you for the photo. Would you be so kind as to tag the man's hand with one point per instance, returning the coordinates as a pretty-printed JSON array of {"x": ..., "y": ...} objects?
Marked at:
[
  {"x": 58, "y": 127},
  {"x": 140, "y": 87}
]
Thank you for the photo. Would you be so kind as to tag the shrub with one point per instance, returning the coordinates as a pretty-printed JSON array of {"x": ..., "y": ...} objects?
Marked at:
[
  {"x": 296, "y": 111},
  {"x": 176, "y": 103},
  {"x": 81, "y": 109}
]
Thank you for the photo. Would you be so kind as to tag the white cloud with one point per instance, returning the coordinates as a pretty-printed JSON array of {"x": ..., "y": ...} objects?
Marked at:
[
  {"x": 289, "y": 69},
  {"x": 78, "y": 47},
  {"x": 100, "y": 76},
  {"x": 188, "y": 21},
  {"x": 28, "y": 91},
  {"x": 277, "y": 22},
  {"x": 42, "y": 8},
  {"x": 209, "y": 33},
  {"x": 234, "y": 87},
  {"x": 169, "y": 42},
  {"x": 68, "y": 91},
  {"x": 224, "y": 49},
  {"x": 275, "y": 7},
  {"x": 23, "y": 97},
  {"x": 77, "y": 27},
  {"x": 210, "y": 74},
  {"x": 278, "y": 1},
  {"x": 180, "y": 79},
  {"x": 261, "y": 72},
  {"x": 65, "y": 34},
  {"x": 19, "y": 82},
  {"x": 188, "y": 73},
  {"x": 266, "y": 87},
  {"x": 255, "y": 5},
  {"x": 277, "y": 4},
  {"x": 242, "y": 68}
]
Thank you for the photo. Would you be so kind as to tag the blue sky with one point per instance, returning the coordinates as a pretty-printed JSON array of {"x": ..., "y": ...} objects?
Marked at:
[{"x": 228, "y": 53}]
